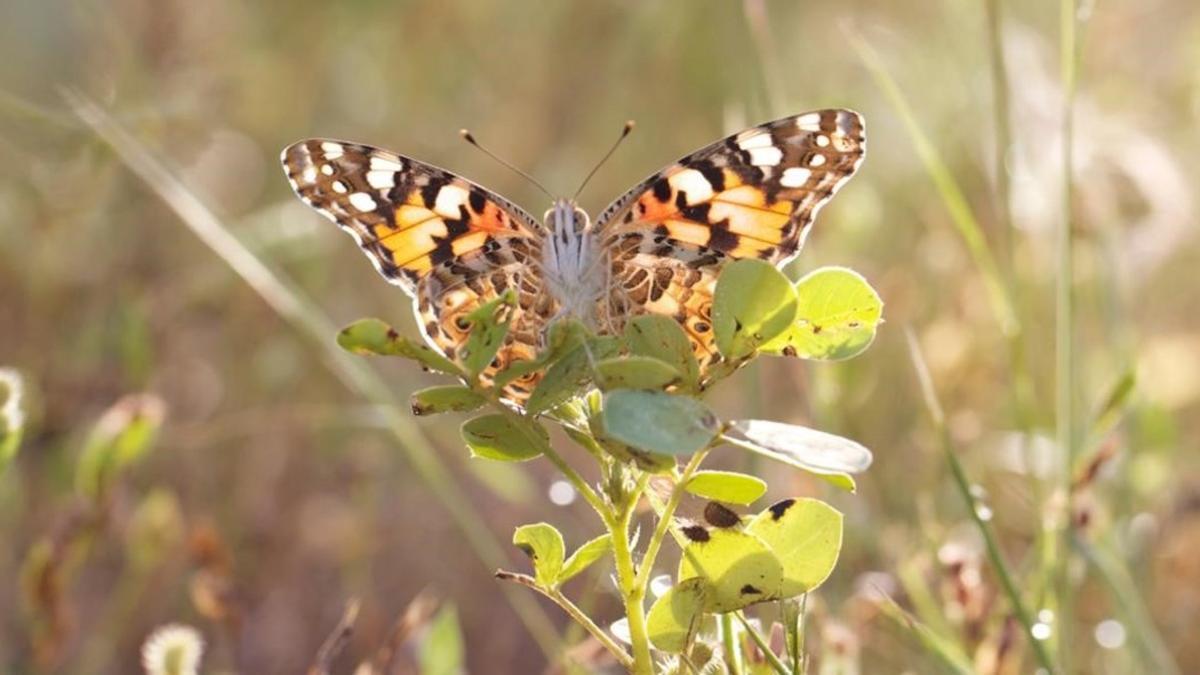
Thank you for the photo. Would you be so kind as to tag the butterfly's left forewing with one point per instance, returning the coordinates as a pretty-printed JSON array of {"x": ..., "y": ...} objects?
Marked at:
[
  {"x": 449, "y": 243},
  {"x": 752, "y": 195}
]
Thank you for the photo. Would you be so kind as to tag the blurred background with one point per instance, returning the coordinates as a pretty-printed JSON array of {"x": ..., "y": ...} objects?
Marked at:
[{"x": 191, "y": 455}]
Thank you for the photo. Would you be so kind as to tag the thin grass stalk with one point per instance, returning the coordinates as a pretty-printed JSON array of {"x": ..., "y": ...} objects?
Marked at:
[
  {"x": 975, "y": 508},
  {"x": 309, "y": 320},
  {"x": 947, "y": 187},
  {"x": 1064, "y": 334}
]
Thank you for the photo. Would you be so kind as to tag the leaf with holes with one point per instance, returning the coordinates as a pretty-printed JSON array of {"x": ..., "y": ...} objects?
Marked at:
[
  {"x": 376, "y": 338},
  {"x": 488, "y": 326},
  {"x": 836, "y": 318}
]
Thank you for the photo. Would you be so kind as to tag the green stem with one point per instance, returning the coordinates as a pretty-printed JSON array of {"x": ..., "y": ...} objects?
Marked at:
[
  {"x": 733, "y": 655},
  {"x": 632, "y": 591},
  {"x": 1064, "y": 335},
  {"x": 976, "y": 509},
  {"x": 779, "y": 666},
  {"x": 574, "y": 612},
  {"x": 664, "y": 518}
]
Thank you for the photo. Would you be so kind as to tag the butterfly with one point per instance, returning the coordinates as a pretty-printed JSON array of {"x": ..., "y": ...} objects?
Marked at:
[{"x": 453, "y": 246}]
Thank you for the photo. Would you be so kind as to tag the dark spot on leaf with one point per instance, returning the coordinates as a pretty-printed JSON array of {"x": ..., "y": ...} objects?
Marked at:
[
  {"x": 719, "y": 515},
  {"x": 854, "y": 324},
  {"x": 750, "y": 590},
  {"x": 697, "y": 533},
  {"x": 779, "y": 508},
  {"x": 392, "y": 334},
  {"x": 816, "y": 329},
  {"x": 789, "y": 351}
]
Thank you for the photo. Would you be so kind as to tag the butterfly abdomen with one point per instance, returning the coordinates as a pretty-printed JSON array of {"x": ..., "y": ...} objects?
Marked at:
[{"x": 572, "y": 262}]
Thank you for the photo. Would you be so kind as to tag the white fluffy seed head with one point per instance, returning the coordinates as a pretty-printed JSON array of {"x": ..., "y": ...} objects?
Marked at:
[{"x": 173, "y": 649}]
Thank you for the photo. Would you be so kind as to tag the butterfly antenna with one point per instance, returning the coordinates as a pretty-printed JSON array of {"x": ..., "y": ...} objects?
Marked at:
[
  {"x": 624, "y": 132},
  {"x": 471, "y": 139}
]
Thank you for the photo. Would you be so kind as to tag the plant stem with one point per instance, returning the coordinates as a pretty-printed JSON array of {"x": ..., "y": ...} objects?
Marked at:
[
  {"x": 1064, "y": 335},
  {"x": 633, "y": 592},
  {"x": 574, "y": 612},
  {"x": 779, "y": 666},
  {"x": 733, "y": 655},
  {"x": 664, "y": 518},
  {"x": 976, "y": 509}
]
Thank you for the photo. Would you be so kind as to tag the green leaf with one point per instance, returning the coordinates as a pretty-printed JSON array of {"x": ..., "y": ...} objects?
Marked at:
[
  {"x": 12, "y": 417},
  {"x": 635, "y": 372},
  {"x": 374, "y": 337},
  {"x": 674, "y": 618},
  {"x": 658, "y": 422},
  {"x": 442, "y": 649},
  {"x": 726, "y": 486},
  {"x": 739, "y": 568},
  {"x": 1114, "y": 403},
  {"x": 836, "y": 318},
  {"x": 564, "y": 335},
  {"x": 806, "y": 536},
  {"x": 753, "y": 303},
  {"x": 570, "y": 375},
  {"x": 584, "y": 556},
  {"x": 121, "y": 437},
  {"x": 662, "y": 338},
  {"x": 448, "y": 398},
  {"x": 830, "y": 457},
  {"x": 543, "y": 543},
  {"x": 488, "y": 328},
  {"x": 504, "y": 438}
]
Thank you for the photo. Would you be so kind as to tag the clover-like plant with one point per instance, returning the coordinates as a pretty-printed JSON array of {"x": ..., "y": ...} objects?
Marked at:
[{"x": 633, "y": 403}]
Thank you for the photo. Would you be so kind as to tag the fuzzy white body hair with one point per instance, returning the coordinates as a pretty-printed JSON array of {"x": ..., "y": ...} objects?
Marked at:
[{"x": 573, "y": 263}]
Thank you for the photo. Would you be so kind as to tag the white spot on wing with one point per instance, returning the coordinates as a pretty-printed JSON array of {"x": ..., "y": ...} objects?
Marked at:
[
  {"x": 332, "y": 150},
  {"x": 385, "y": 164},
  {"x": 809, "y": 122},
  {"x": 794, "y": 177},
  {"x": 766, "y": 156},
  {"x": 309, "y": 174},
  {"x": 754, "y": 139},
  {"x": 822, "y": 140},
  {"x": 381, "y": 179},
  {"x": 339, "y": 187},
  {"x": 362, "y": 201},
  {"x": 327, "y": 169},
  {"x": 817, "y": 160},
  {"x": 449, "y": 198},
  {"x": 693, "y": 183}
]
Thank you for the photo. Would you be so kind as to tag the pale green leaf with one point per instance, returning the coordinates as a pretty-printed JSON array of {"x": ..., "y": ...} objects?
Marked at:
[
  {"x": 806, "y": 536},
  {"x": 753, "y": 303},
  {"x": 570, "y": 375},
  {"x": 726, "y": 486},
  {"x": 442, "y": 651},
  {"x": 504, "y": 438},
  {"x": 584, "y": 556},
  {"x": 635, "y": 372},
  {"x": 662, "y": 337},
  {"x": 836, "y": 318},
  {"x": 674, "y": 618},
  {"x": 374, "y": 337},
  {"x": 447, "y": 398},
  {"x": 739, "y": 568},
  {"x": 829, "y": 456},
  {"x": 658, "y": 422},
  {"x": 488, "y": 326},
  {"x": 543, "y": 543}
]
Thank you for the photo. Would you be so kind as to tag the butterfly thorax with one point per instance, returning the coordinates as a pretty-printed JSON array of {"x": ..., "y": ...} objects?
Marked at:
[{"x": 572, "y": 262}]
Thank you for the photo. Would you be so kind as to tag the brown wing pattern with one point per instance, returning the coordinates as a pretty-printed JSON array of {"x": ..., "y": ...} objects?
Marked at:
[
  {"x": 449, "y": 243},
  {"x": 753, "y": 194}
]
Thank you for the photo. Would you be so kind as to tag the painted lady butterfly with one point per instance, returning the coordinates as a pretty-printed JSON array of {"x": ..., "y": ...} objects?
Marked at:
[{"x": 453, "y": 246}]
